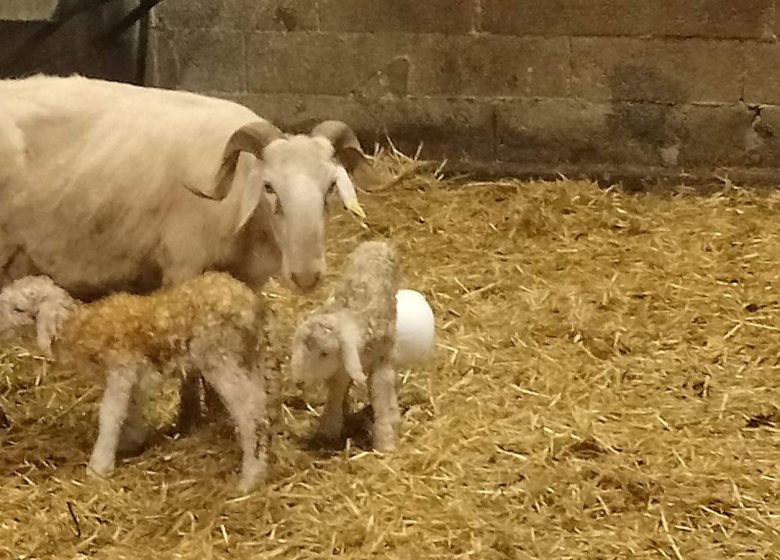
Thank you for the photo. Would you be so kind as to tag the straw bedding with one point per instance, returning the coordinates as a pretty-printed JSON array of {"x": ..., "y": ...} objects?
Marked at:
[{"x": 605, "y": 386}]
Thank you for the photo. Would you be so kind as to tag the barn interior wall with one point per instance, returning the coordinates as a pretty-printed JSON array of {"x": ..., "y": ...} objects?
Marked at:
[
  {"x": 602, "y": 87},
  {"x": 605, "y": 88}
]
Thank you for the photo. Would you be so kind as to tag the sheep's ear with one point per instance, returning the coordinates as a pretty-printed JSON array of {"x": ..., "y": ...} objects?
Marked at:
[
  {"x": 250, "y": 199},
  {"x": 351, "y": 356},
  {"x": 48, "y": 323},
  {"x": 347, "y": 192}
]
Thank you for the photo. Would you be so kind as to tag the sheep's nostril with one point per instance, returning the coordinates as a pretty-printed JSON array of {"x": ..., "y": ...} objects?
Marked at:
[{"x": 306, "y": 281}]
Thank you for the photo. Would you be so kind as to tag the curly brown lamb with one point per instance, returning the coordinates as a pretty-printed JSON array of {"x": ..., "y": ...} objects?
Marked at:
[{"x": 212, "y": 324}]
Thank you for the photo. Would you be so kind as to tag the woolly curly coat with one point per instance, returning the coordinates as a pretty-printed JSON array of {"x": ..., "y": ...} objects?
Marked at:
[
  {"x": 350, "y": 338},
  {"x": 212, "y": 325}
]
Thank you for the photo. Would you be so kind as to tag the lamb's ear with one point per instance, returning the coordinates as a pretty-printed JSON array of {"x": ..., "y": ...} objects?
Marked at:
[
  {"x": 297, "y": 349},
  {"x": 350, "y": 354},
  {"x": 48, "y": 323}
]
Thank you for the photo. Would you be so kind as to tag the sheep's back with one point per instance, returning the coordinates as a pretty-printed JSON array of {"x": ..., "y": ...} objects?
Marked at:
[
  {"x": 163, "y": 323},
  {"x": 369, "y": 284}
]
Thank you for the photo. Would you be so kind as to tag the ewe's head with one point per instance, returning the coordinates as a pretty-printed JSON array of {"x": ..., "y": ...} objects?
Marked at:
[
  {"x": 291, "y": 180},
  {"x": 35, "y": 300}
]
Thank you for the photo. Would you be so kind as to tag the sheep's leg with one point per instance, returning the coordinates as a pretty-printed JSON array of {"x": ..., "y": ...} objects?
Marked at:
[
  {"x": 113, "y": 413},
  {"x": 336, "y": 407},
  {"x": 134, "y": 429},
  {"x": 244, "y": 396},
  {"x": 385, "y": 405},
  {"x": 213, "y": 405},
  {"x": 395, "y": 409},
  {"x": 190, "y": 405}
]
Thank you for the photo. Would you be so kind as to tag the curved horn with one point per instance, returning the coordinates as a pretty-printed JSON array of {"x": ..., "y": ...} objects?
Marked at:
[
  {"x": 252, "y": 138},
  {"x": 344, "y": 141}
]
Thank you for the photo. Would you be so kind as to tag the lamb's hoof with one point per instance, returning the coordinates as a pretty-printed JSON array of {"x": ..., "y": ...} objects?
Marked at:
[
  {"x": 386, "y": 447},
  {"x": 384, "y": 441},
  {"x": 99, "y": 469},
  {"x": 253, "y": 474},
  {"x": 249, "y": 483},
  {"x": 246, "y": 486}
]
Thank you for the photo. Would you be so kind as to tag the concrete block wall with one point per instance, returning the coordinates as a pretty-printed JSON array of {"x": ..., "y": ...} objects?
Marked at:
[
  {"x": 605, "y": 88},
  {"x": 69, "y": 36}
]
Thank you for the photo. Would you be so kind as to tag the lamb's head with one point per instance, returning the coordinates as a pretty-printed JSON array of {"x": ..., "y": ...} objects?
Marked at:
[
  {"x": 290, "y": 182},
  {"x": 323, "y": 345},
  {"x": 35, "y": 300}
]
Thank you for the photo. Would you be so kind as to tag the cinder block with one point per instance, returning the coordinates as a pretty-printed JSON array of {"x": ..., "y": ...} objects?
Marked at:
[
  {"x": 565, "y": 131},
  {"x": 200, "y": 60},
  {"x": 29, "y": 10},
  {"x": 715, "y": 136},
  {"x": 763, "y": 138},
  {"x": 667, "y": 71},
  {"x": 723, "y": 19},
  {"x": 762, "y": 74},
  {"x": 446, "y": 128},
  {"x": 381, "y": 64},
  {"x": 494, "y": 66},
  {"x": 272, "y": 15},
  {"x": 388, "y": 16}
]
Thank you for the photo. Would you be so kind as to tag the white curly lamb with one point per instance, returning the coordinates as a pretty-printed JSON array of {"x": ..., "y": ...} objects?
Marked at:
[
  {"x": 350, "y": 339},
  {"x": 212, "y": 324}
]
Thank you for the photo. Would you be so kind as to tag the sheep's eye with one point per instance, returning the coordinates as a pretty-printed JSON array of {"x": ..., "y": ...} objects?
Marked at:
[
  {"x": 323, "y": 354},
  {"x": 331, "y": 189},
  {"x": 269, "y": 190},
  {"x": 19, "y": 309}
]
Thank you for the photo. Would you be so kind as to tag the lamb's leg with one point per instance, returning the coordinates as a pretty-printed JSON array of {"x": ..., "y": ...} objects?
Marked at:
[
  {"x": 214, "y": 408},
  {"x": 385, "y": 404},
  {"x": 243, "y": 393},
  {"x": 190, "y": 411},
  {"x": 395, "y": 409},
  {"x": 113, "y": 412},
  {"x": 336, "y": 406},
  {"x": 134, "y": 429}
]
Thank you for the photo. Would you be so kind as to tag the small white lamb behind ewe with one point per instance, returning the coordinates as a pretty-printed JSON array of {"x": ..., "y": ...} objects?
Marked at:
[
  {"x": 212, "y": 322},
  {"x": 350, "y": 338}
]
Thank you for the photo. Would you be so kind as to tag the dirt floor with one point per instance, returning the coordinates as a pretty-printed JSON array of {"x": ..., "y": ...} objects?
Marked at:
[{"x": 606, "y": 385}]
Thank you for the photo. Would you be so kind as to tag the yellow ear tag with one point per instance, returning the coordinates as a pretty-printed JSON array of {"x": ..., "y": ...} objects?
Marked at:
[{"x": 354, "y": 207}]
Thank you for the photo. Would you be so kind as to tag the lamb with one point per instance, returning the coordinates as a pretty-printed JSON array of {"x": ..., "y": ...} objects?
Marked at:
[
  {"x": 143, "y": 187},
  {"x": 350, "y": 339},
  {"x": 212, "y": 322}
]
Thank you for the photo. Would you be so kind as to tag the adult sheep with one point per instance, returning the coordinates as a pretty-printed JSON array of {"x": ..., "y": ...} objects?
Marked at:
[{"x": 107, "y": 186}]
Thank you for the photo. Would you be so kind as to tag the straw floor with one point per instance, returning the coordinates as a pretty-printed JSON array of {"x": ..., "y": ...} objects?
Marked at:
[{"x": 606, "y": 385}]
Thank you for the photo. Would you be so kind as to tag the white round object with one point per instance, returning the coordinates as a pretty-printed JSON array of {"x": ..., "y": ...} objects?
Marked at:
[{"x": 415, "y": 329}]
